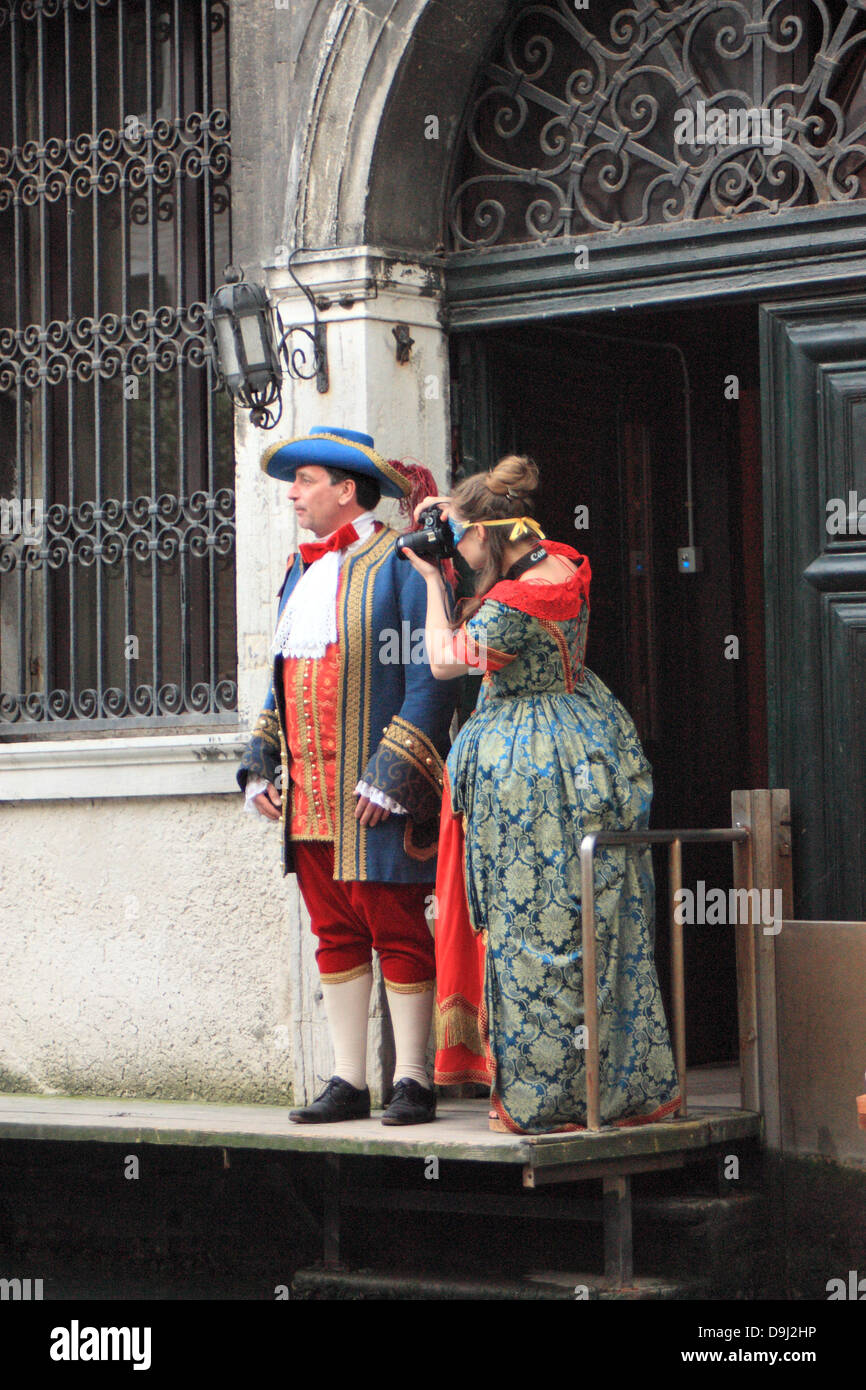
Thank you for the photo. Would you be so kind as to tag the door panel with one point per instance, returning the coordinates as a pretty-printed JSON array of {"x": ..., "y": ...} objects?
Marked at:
[
  {"x": 606, "y": 422},
  {"x": 813, "y": 358}
]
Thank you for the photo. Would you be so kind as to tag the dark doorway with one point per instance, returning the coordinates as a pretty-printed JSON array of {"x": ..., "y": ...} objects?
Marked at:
[{"x": 600, "y": 405}]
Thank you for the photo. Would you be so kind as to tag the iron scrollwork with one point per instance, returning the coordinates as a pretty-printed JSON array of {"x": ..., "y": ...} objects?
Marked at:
[
  {"x": 139, "y": 155},
  {"x": 294, "y": 355},
  {"x": 103, "y": 347},
  {"x": 572, "y": 131},
  {"x": 112, "y": 534},
  {"x": 115, "y": 205}
]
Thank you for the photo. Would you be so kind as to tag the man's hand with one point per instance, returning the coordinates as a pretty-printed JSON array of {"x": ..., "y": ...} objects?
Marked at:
[
  {"x": 268, "y": 803},
  {"x": 368, "y": 813}
]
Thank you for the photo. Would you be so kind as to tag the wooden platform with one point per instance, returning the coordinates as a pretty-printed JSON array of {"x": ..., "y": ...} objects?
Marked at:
[{"x": 460, "y": 1133}]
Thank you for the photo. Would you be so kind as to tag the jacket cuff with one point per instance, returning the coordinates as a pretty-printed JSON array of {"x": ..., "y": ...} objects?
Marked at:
[
  {"x": 407, "y": 767},
  {"x": 262, "y": 755}
]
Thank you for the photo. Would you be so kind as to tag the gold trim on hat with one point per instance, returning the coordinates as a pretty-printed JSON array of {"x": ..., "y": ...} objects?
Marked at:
[{"x": 382, "y": 464}]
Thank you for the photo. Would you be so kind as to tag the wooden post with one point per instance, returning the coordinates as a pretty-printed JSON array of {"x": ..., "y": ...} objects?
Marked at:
[
  {"x": 768, "y": 869},
  {"x": 590, "y": 980},
  {"x": 747, "y": 989},
  {"x": 618, "y": 1250}
]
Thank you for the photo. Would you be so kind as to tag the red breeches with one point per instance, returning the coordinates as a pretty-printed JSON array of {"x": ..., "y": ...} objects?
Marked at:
[{"x": 352, "y": 919}]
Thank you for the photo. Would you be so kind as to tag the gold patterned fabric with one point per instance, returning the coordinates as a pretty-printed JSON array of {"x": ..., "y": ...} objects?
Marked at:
[{"x": 310, "y": 687}]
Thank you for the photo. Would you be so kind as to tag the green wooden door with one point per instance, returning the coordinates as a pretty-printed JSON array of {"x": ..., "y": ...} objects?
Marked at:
[{"x": 814, "y": 423}]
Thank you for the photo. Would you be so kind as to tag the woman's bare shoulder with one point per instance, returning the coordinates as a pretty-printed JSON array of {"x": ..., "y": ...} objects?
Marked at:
[{"x": 554, "y": 570}]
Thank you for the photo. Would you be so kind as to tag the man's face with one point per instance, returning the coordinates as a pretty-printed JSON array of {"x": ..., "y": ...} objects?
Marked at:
[{"x": 321, "y": 506}]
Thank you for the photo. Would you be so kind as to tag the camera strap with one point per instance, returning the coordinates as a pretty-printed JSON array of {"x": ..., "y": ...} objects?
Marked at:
[{"x": 526, "y": 562}]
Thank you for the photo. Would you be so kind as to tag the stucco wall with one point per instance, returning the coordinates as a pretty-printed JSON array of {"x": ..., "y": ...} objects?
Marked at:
[
  {"x": 146, "y": 942},
  {"x": 144, "y": 950}
]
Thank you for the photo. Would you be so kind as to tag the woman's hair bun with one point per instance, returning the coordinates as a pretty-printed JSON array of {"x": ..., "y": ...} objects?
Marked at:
[{"x": 516, "y": 475}]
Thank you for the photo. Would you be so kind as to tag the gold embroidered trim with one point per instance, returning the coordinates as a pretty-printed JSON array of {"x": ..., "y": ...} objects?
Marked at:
[
  {"x": 267, "y": 728},
  {"x": 418, "y": 736},
  {"x": 461, "y": 1078},
  {"x": 340, "y": 977},
  {"x": 420, "y": 987},
  {"x": 313, "y": 754},
  {"x": 354, "y": 751},
  {"x": 398, "y": 745},
  {"x": 498, "y": 656},
  {"x": 414, "y": 745},
  {"x": 285, "y": 787},
  {"x": 330, "y": 811},
  {"x": 305, "y": 761},
  {"x": 269, "y": 453},
  {"x": 382, "y": 464},
  {"x": 456, "y": 1021},
  {"x": 564, "y": 654}
]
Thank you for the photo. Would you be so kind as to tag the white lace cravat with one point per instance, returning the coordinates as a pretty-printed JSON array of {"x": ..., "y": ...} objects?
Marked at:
[{"x": 308, "y": 623}]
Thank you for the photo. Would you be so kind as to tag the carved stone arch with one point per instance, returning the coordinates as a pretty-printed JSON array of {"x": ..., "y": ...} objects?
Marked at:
[{"x": 371, "y": 174}]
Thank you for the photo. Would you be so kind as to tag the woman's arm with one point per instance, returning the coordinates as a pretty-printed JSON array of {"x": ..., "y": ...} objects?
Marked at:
[{"x": 438, "y": 633}]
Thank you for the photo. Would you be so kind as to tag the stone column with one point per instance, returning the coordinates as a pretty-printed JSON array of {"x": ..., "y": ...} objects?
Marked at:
[{"x": 362, "y": 294}]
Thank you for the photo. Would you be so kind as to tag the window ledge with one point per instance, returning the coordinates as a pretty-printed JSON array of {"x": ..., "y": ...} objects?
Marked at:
[{"x": 162, "y": 766}]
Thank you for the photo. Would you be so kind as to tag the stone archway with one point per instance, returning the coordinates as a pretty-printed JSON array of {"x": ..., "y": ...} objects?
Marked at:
[{"x": 369, "y": 174}]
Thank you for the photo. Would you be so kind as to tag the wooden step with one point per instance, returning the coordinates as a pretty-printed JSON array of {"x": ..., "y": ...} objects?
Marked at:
[{"x": 325, "y": 1284}]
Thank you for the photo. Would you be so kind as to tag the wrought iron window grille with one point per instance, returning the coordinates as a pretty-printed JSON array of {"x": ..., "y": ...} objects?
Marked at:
[{"x": 114, "y": 208}]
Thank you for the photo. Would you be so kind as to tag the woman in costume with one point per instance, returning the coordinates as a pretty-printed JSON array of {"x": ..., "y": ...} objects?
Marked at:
[{"x": 548, "y": 756}]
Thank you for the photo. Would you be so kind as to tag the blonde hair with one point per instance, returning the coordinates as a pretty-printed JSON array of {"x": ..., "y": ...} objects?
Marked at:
[{"x": 504, "y": 491}]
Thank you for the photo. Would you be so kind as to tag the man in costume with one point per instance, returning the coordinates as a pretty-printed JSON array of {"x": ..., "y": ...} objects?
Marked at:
[{"x": 347, "y": 754}]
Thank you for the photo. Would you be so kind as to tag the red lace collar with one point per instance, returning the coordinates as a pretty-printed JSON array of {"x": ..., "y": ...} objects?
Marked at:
[{"x": 556, "y": 601}]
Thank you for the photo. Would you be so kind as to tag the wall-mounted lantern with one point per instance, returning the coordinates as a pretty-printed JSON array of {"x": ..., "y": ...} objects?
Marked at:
[{"x": 252, "y": 349}]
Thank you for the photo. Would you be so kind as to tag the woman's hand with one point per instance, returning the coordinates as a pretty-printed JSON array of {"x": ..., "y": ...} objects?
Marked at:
[
  {"x": 442, "y": 502},
  {"x": 425, "y": 568}
]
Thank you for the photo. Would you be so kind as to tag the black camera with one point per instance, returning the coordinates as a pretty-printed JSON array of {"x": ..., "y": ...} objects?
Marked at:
[{"x": 435, "y": 542}]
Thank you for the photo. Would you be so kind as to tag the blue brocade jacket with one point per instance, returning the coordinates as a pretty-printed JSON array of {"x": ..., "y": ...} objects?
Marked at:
[{"x": 393, "y": 719}]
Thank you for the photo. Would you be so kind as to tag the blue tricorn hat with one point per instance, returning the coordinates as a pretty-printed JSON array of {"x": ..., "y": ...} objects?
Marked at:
[{"x": 335, "y": 448}]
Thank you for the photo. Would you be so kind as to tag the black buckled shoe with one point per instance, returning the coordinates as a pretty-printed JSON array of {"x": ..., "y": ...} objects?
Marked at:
[
  {"x": 338, "y": 1101},
  {"x": 411, "y": 1104}
]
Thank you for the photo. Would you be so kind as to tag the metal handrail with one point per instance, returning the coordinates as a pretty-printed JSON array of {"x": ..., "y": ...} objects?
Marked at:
[{"x": 675, "y": 839}]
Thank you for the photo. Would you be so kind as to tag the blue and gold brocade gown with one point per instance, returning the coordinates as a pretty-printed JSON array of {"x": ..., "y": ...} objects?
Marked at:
[{"x": 548, "y": 756}]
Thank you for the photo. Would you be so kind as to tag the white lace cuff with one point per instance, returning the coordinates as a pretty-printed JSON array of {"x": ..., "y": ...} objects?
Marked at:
[
  {"x": 380, "y": 799},
  {"x": 254, "y": 786}
]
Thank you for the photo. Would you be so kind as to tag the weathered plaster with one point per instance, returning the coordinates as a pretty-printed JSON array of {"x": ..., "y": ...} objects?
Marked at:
[{"x": 144, "y": 950}]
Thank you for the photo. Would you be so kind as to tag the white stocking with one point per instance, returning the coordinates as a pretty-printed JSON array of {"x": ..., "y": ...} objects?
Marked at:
[
  {"x": 348, "y": 1008},
  {"x": 411, "y": 1017}
]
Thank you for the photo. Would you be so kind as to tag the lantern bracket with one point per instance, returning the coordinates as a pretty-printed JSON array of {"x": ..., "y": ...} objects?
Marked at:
[
  {"x": 295, "y": 358},
  {"x": 254, "y": 381}
]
